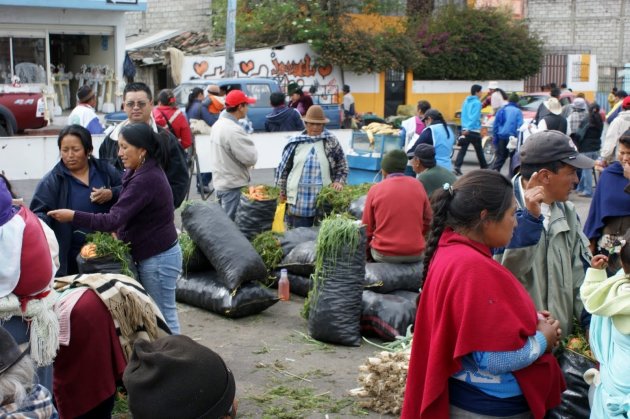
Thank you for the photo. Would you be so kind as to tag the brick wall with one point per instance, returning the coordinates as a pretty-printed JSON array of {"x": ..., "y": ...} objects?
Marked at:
[
  {"x": 191, "y": 15},
  {"x": 578, "y": 26}
]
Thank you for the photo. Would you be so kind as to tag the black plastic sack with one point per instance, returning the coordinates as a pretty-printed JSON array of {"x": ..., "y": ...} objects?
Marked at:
[
  {"x": 409, "y": 295},
  {"x": 231, "y": 254},
  {"x": 300, "y": 260},
  {"x": 386, "y": 315},
  {"x": 298, "y": 285},
  {"x": 388, "y": 277},
  {"x": 335, "y": 304},
  {"x": 574, "y": 403},
  {"x": 104, "y": 265},
  {"x": 198, "y": 262},
  {"x": 357, "y": 206},
  {"x": 295, "y": 236},
  {"x": 254, "y": 217},
  {"x": 203, "y": 290}
]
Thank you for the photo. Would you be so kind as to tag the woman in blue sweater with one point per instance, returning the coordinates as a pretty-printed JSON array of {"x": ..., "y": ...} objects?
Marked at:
[
  {"x": 142, "y": 217},
  {"x": 80, "y": 182}
]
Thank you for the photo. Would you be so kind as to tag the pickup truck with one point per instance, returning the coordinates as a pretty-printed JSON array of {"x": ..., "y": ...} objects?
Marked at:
[
  {"x": 259, "y": 88},
  {"x": 20, "y": 111}
]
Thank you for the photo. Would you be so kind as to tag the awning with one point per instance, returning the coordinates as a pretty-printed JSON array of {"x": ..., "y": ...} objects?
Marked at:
[{"x": 153, "y": 39}]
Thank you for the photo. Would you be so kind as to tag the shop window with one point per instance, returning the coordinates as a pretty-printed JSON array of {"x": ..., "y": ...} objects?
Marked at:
[
  {"x": 5, "y": 61},
  {"x": 28, "y": 60}
]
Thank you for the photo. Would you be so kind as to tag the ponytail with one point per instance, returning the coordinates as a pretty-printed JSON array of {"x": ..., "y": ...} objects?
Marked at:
[
  {"x": 440, "y": 201},
  {"x": 141, "y": 135}
]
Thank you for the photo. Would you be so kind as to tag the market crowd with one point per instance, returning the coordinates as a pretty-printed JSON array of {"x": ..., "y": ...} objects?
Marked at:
[{"x": 509, "y": 269}]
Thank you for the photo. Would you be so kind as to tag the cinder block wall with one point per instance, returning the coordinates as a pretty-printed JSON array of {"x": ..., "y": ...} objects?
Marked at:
[
  {"x": 597, "y": 26},
  {"x": 193, "y": 15}
]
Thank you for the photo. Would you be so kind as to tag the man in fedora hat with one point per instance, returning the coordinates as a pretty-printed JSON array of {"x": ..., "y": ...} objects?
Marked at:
[
  {"x": 548, "y": 251},
  {"x": 232, "y": 152},
  {"x": 310, "y": 160},
  {"x": 83, "y": 114},
  {"x": 21, "y": 397},
  {"x": 553, "y": 120}
]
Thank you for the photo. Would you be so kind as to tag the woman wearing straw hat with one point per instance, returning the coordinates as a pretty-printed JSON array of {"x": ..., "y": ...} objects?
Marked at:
[{"x": 310, "y": 160}]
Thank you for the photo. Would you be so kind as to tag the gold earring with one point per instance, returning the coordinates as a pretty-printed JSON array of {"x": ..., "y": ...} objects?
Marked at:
[{"x": 142, "y": 159}]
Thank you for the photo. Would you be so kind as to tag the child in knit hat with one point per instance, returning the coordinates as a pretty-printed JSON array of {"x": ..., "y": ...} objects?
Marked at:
[{"x": 608, "y": 300}]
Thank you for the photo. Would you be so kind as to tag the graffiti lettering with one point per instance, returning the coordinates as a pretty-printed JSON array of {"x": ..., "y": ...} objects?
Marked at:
[{"x": 300, "y": 68}]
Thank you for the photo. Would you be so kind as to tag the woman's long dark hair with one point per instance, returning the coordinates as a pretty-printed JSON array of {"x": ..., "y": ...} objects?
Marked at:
[
  {"x": 595, "y": 119},
  {"x": 193, "y": 96},
  {"x": 440, "y": 118},
  {"x": 142, "y": 135},
  {"x": 461, "y": 206}
]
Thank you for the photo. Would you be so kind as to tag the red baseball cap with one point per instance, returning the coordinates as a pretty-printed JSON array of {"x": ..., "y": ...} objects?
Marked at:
[
  {"x": 237, "y": 97},
  {"x": 626, "y": 102}
]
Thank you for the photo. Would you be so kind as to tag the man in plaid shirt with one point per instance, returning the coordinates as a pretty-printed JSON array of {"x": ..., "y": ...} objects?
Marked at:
[{"x": 310, "y": 161}]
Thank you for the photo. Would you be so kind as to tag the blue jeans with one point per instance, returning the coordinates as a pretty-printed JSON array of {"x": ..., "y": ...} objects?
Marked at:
[
  {"x": 586, "y": 181},
  {"x": 229, "y": 200},
  {"x": 158, "y": 275},
  {"x": 294, "y": 221}
]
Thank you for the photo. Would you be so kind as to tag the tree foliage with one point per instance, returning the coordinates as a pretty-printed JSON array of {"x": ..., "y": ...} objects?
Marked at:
[
  {"x": 453, "y": 43},
  {"x": 475, "y": 44}
]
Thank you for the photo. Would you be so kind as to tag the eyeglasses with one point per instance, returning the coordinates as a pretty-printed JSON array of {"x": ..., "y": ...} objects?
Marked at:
[{"x": 140, "y": 104}]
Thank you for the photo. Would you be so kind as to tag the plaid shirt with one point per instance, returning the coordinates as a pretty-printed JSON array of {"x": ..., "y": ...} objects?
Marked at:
[
  {"x": 310, "y": 185},
  {"x": 38, "y": 405},
  {"x": 332, "y": 148}
]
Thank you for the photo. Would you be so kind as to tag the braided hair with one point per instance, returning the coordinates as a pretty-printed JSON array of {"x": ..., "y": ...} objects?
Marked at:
[{"x": 459, "y": 206}]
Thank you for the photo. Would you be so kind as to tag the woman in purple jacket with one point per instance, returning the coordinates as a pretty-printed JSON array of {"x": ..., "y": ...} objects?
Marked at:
[{"x": 142, "y": 217}]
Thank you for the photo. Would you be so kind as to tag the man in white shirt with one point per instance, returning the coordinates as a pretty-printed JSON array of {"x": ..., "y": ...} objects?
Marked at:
[{"x": 84, "y": 114}]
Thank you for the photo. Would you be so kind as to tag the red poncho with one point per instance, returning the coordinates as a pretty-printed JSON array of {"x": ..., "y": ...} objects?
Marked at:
[{"x": 471, "y": 303}]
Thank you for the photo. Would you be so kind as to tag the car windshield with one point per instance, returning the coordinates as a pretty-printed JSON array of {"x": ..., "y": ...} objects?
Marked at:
[{"x": 531, "y": 102}]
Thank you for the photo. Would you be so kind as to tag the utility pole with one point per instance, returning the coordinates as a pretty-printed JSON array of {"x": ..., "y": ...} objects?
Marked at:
[{"x": 230, "y": 38}]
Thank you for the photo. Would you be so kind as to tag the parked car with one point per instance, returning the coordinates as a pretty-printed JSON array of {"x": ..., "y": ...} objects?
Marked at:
[
  {"x": 259, "y": 88},
  {"x": 20, "y": 111},
  {"x": 530, "y": 102}
]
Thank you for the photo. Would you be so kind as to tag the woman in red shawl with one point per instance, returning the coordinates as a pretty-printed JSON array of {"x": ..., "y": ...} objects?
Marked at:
[{"x": 480, "y": 349}]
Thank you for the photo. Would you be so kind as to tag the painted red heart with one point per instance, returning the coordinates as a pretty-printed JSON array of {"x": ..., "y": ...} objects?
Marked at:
[
  {"x": 246, "y": 67},
  {"x": 200, "y": 68},
  {"x": 325, "y": 70}
]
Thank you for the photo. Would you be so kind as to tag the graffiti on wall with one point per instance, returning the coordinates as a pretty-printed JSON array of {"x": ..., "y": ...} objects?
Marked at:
[{"x": 294, "y": 63}]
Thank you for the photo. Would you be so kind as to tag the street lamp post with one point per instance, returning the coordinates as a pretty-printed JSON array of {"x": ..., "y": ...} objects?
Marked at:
[{"x": 230, "y": 38}]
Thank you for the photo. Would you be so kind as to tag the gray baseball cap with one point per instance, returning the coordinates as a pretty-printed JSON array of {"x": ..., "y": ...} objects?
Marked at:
[{"x": 551, "y": 146}]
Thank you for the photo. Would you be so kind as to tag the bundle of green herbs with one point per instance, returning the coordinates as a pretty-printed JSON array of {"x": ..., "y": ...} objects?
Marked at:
[
  {"x": 337, "y": 232},
  {"x": 107, "y": 245},
  {"x": 188, "y": 247},
  {"x": 331, "y": 201},
  {"x": 268, "y": 247}
]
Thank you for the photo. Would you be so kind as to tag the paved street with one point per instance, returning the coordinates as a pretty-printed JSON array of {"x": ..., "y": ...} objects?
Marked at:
[{"x": 269, "y": 352}]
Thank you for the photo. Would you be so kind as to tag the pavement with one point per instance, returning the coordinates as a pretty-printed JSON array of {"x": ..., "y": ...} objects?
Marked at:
[{"x": 279, "y": 371}]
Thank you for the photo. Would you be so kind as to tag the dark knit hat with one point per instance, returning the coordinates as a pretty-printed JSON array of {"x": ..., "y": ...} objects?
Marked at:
[
  {"x": 10, "y": 352},
  {"x": 394, "y": 161},
  {"x": 175, "y": 377},
  {"x": 425, "y": 153},
  {"x": 513, "y": 98},
  {"x": 85, "y": 93}
]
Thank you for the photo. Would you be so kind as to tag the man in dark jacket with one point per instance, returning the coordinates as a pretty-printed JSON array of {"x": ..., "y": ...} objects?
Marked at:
[
  {"x": 282, "y": 118},
  {"x": 138, "y": 103}
]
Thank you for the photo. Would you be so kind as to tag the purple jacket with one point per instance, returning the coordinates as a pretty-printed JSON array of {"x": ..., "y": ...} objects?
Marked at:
[{"x": 143, "y": 215}]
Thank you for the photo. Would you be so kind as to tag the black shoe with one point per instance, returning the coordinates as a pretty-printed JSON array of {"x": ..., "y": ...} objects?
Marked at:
[{"x": 457, "y": 171}]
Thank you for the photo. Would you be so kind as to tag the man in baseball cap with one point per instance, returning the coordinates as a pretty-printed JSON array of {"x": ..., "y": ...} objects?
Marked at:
[
  {"x": 232, "y": 152},
  {"x": 548, "y": 250},
  {"x": 236, "y": 98}
]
